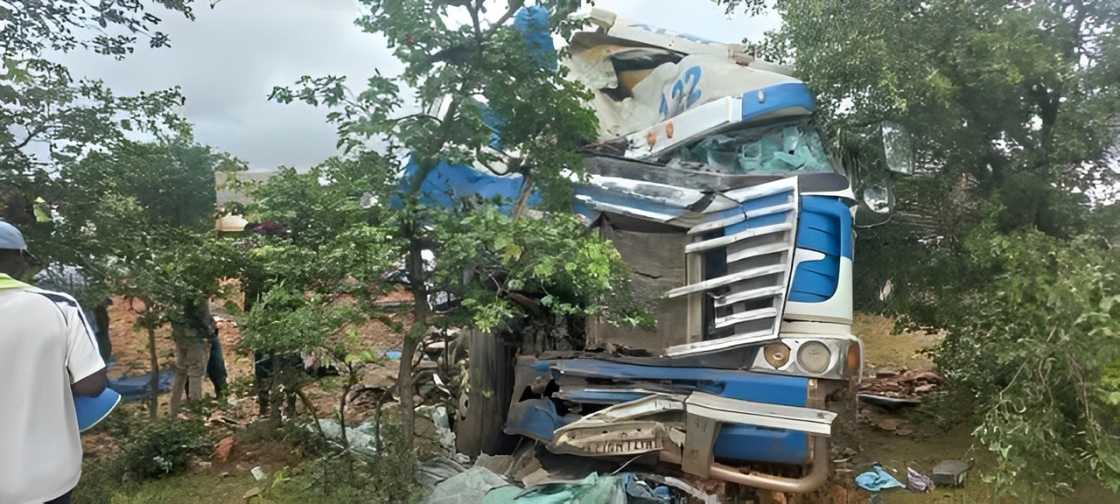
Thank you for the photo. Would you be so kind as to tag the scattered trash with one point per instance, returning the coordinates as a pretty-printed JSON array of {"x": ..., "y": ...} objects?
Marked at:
[
  {"x": 442, "y": 423},
  {"x": 682, "y": 486},
  {"x": 950, "y": 473},
  {"x": 500, "y": 464},
  {"x": 594, "y": 489},
  {"x": 468, "y": 487},
  {"x": 917, "y": 481},
  {"x": 877, "y": 479},
  {"x": 393, "y": 355},
  {"x": 363, "y": 438},
  {"x": 638, "y": 491},
  {"x": 258, "y": 473},
  {"x": 437, "y": 470}
]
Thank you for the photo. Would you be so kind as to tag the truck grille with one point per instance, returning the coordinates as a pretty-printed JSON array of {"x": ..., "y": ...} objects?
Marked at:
[{"x": 755, "y": 238}]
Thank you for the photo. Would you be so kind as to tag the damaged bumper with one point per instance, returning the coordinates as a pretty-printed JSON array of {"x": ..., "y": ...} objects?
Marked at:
[{"x": 705, "y": 420}]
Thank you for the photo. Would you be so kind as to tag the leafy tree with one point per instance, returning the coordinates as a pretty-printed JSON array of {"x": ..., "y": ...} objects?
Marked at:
[
  {"x": 138, "y": 219},
  {"x": 503, "y": 106},
  {"x": 1013, "y": 109},
  {"x": 47, "y": 117}
]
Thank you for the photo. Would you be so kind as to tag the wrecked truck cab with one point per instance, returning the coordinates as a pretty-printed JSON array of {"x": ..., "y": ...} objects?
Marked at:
[{"x": 719, "y": 192}]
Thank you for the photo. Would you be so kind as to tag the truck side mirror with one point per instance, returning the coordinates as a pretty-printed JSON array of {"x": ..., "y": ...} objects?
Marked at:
[
  {"x": 878, "y": 198},
  {"x": 898, "y": 150}
]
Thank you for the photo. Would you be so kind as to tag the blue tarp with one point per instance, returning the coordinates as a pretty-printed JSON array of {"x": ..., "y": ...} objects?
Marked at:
[{"x": 136, "y": 387}]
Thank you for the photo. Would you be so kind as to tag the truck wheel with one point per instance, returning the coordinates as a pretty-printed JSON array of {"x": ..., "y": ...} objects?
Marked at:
[{"x": 484, "y": 403}]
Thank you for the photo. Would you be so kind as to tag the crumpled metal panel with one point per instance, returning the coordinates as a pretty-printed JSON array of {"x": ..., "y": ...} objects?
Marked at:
[{"x": 622, "y": 438}]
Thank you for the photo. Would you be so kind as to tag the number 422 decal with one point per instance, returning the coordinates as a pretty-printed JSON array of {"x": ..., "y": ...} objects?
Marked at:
[{"x": 684, "y": 93}]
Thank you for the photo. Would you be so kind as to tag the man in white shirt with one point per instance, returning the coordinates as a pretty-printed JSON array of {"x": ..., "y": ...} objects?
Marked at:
[{"x": 49, "y": 355}]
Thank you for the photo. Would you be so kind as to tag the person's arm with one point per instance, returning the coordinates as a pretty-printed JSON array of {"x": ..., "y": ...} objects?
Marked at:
[
  {"x": 83, "y": 358},
  {"x": 92, "y": 385}
]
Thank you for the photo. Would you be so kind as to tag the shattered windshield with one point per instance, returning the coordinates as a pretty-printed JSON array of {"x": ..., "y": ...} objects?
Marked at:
[{"x": 780, "y": 149}]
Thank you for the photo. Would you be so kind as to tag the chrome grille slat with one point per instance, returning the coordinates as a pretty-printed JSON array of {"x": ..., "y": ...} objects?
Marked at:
[
  {"x": 747, "y": 316},
  {"x": 726, "y": 280},
  {"x": 759, "y": 251},
  {"x": 759, "y": 240},
  {"x": 724, "y": 241},
  {"x": 739, "y": 217},
  {"x": 748, "y": 295}
]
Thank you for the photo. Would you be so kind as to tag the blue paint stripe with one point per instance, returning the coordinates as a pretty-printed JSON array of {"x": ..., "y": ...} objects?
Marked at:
[{"x": 791, "y": 95}]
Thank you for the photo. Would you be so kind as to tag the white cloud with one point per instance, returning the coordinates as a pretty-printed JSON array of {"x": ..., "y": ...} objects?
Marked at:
[{"x": 228, "y": 60}]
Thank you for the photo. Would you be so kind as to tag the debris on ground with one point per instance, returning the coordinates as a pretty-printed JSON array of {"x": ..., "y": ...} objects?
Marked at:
[
  {"x": 950, "y": 473},
  {"x": 258, "y": 473},
  {"x": 442, "y": 422},
  {"x": 877, "y": 479},
  {"x": 918, "y": 482},
  {"x": 890, "y": 388},
  {"x": 595, "y": 488},
  {"x": 467, "y": 487},
  {"x": 436, "y": 470},
  {"x": 362, "y": 439},
  {"x": 682, "y": 486}
]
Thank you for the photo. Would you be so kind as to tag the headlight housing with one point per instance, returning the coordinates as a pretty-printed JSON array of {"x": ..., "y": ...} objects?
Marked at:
[
  {"x": 814, "y": 357},
  {"x": 828, "y": 356}
]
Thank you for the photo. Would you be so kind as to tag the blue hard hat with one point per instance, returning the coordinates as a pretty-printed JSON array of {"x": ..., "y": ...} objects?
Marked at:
[
  {"x": 11, "y": 238},
  {"x": 92, "y": 410}
]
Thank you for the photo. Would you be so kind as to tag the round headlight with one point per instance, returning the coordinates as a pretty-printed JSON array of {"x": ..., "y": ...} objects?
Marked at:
[
  {"x": 776, "y": 354},
  {"x": 814, "y": 357}
]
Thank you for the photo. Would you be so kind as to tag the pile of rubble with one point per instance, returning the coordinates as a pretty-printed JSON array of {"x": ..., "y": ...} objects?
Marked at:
[{"x": 891, "y": 388}]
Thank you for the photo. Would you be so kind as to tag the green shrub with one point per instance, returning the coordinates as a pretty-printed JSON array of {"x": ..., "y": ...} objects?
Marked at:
[
  {"x": 163, "y": 447},
  {"x": 1037, "y": 348}
]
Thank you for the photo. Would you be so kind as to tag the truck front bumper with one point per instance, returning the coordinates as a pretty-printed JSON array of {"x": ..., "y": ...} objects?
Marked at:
[{"x": 703, "y": 419}]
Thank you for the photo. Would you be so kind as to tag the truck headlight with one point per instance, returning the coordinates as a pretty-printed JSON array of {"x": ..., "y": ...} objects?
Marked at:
[
  {"x": 776, "y": 354},
  {"x": 814, "y": 357}
]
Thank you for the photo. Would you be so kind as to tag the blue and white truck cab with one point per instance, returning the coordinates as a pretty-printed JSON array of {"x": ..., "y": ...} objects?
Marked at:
[{"x": 714, "y": 183}]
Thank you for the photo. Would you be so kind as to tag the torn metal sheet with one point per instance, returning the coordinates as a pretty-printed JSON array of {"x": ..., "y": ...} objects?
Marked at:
[
  {"x": 624, "y": 438},
  {"x": 774, "y": 416},
  {"x": 650, "y": 405}
]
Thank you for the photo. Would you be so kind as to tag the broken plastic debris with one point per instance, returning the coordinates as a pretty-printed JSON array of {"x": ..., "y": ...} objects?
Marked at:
[
  {"x": 877, "y": 479},
  {"x": 917, "y": 481}
]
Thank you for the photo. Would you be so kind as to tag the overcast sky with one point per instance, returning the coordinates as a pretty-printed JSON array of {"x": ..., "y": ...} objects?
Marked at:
[{"x": 228, "y": 60}]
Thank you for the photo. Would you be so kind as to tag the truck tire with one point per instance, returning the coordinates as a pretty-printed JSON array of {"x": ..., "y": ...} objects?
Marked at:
[{"x": 485, "y": 402}]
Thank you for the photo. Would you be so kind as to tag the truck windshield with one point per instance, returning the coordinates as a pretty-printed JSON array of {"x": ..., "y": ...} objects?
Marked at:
[{"x": 779, "y": 149}]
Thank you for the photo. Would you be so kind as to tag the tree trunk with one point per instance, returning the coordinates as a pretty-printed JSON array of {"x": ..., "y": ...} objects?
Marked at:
[
  {"x": 314, "y": 414},
  {"x": 416, "y": 277},
  {"x": 153, "y": 381},
  {"x": 523, "y": 196}
]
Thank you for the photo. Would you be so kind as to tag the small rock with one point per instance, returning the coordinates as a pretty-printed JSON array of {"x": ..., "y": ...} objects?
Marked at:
[
  {"x": 888, "y": 424},
  {"x": 904, "y": 430},
  {"x": 223, "y": 449}
]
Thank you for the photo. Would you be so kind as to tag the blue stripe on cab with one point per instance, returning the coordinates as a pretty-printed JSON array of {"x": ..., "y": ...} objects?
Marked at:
[
  {"x": 791, "y": 95},
  {"x": 825, "y": 226}
]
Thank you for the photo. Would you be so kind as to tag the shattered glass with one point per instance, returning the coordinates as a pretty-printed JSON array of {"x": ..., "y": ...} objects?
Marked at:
[{"x": 781, "y": 149}]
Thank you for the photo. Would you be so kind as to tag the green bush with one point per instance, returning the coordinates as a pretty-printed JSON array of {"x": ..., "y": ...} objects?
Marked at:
[
  {"x": 163, "y": 447},
  {"x": 1037, "y": 347}
]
